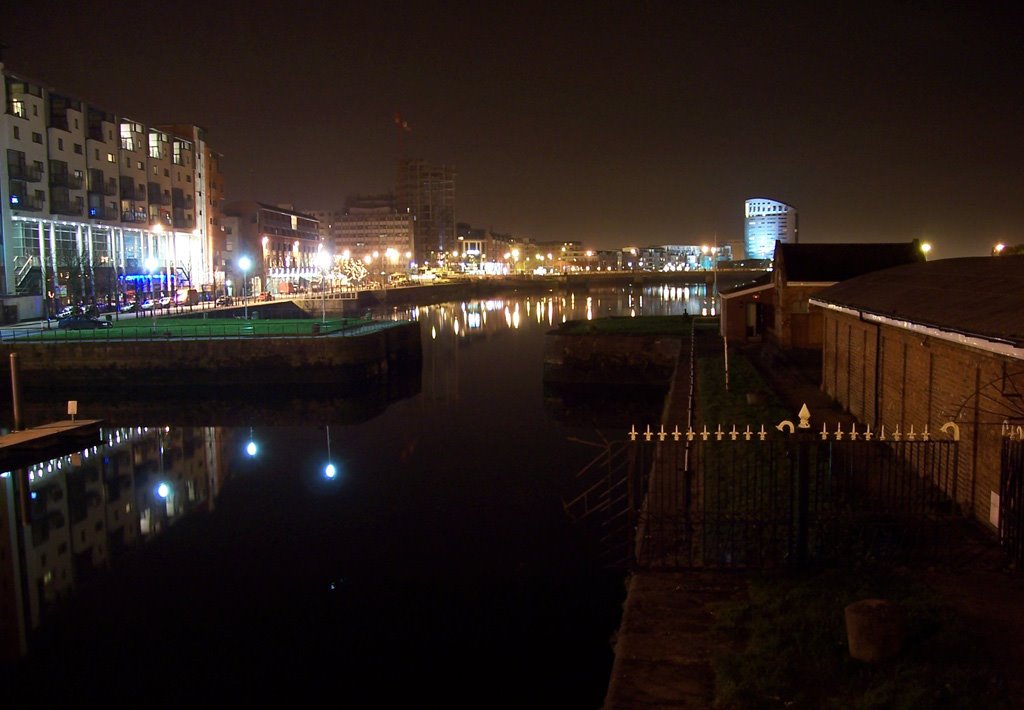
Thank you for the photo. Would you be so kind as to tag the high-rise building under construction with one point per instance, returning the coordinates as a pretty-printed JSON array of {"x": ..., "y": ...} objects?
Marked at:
[{"x": 427, "y": 192}]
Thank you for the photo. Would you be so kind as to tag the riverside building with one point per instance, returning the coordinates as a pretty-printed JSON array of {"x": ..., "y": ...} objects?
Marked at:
[
  {"x": 96, "y": 206},
  {"x": 767, "y": 221},
  {"x": 372, "y": 230}
]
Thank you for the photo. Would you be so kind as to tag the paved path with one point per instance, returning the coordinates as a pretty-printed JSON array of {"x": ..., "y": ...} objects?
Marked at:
[{"x": 665, "y": 646}]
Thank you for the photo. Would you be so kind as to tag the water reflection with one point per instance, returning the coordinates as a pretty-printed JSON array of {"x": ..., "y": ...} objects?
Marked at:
[
  {"x": 88, "y": 508},
  {"x": 436, "y": 555}
]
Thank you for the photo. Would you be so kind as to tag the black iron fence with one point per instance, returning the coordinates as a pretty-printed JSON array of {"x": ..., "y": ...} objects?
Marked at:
[
  {"x": 1011, "y": 496},
  {"x": 770, "y": 497}
]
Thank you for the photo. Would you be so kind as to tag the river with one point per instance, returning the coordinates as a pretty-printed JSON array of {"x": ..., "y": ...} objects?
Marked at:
[{"x": 204, "y": 552}]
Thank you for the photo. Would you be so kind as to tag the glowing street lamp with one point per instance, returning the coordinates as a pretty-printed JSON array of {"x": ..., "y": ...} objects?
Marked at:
[
  {"x": 251, "y": 447},
  {"x": 998, "y": 249},
  {"x": 925, "y": 248},
  {"x": 329, "y": 470},
  {"x": 245, "y": 263}
]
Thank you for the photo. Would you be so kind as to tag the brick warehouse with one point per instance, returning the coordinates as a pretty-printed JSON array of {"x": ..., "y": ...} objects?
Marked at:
[
  {"x": 775, "y": 306},
  {"x": 931, "y": 343}
]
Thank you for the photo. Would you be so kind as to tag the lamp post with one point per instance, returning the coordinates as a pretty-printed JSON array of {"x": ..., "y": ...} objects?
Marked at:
[
  {"x": 151, "y": 266},
  {"x": 323, "y": 260},
  {"x": 329, "y": 470},
  {"x": 244, "y": 263}
]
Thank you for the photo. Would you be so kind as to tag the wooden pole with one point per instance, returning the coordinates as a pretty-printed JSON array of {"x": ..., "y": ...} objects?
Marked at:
[{"x": 16, "y": 391}]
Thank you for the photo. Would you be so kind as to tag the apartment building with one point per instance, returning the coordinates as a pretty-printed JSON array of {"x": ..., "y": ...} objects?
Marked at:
[{"x": 96, "y": 206}]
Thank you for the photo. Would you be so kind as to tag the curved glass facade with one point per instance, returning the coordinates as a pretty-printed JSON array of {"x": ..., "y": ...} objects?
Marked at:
[{"x": 766, "y": 221}]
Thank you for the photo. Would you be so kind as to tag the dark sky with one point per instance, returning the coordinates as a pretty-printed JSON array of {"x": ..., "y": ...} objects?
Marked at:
[{"x": 612, "y": 123}]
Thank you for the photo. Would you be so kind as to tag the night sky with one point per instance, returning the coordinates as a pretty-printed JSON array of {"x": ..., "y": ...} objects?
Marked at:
[{"x": 612, "y": 123}]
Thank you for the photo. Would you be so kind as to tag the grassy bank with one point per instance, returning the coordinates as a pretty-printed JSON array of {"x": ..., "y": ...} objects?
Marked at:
[
  {"x": 796, "y": 653},
  {"x": 163, "y": 328},
  {"x": 792, "y": 626}
]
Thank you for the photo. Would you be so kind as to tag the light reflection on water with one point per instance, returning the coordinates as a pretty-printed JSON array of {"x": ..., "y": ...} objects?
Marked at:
[{"x": 440, "y": 541}]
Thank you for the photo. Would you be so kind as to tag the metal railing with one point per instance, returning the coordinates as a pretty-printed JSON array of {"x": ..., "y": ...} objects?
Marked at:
[
  {"x": 757, "y": 497},
  {"x": 143, "y": 327}
]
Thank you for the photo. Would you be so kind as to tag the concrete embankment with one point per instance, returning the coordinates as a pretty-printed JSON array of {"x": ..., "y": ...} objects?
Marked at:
[
  {"x": 583, "y": 359},
  {"x": 217, "y": 362},
  {"x": 665, "y": 642}
]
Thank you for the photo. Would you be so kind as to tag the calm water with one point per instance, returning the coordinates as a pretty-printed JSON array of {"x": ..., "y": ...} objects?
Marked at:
[{"x": 436, "y": 566}]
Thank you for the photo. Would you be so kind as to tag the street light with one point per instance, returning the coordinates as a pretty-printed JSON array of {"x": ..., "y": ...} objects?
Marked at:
[
  {"x": 329, "y": 470},
  {"x": 151, "y": 266},
  {"x": 323, "y": 261},
  {"x": 244, "y": 263}
]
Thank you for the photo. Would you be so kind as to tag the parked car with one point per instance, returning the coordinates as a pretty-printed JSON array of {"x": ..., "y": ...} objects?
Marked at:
[
  {"x": 68, "y": 311},
  {"x": 165, "y": 301},
  {"x": 148, "y": 305},
  {"x": 223, "y": 301},
  {"x": 265, "y": 296},
  {"x": 82, "y": 322}
]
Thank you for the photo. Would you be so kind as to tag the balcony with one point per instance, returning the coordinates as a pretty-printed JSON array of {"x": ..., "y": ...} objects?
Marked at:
[
  {"x": 110, "y": 187},
  {"x": 183, "y": 221},
  {"x": 134, "y": 216},
  {"x": 66, "y": 207},
  {"x": 181, "y": 201},
  {"x": 156, "y": 195},
  {"x": 72, "y": 182},
  {"x": 99, "y": 212},
  {"x": 131, "y": 191},
  {"x": 28, "y": 203},
  {"x": 24, "y": 171}
]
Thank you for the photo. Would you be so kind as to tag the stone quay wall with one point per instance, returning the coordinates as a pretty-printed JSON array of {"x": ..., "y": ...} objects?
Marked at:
[
  {"x": 600, "y": 359},
  {"x": 242, "y": 361}
]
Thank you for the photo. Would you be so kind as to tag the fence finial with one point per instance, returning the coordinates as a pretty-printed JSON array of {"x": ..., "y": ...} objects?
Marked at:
[
  {"x": 805, "y": 417},
  {"x": 951, "y": 427}
]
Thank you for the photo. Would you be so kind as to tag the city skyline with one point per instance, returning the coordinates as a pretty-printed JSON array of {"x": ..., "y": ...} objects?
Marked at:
[{"x": 625, "y": 125}]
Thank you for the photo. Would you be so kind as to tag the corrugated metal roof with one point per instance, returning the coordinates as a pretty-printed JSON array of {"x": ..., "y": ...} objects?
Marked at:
[{"x": 975, "y": 296}]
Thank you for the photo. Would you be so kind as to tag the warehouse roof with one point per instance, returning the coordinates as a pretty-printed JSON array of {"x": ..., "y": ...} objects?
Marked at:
[
  {"x": 979, "y": 297},
  {"x": 829, "y": 263}
]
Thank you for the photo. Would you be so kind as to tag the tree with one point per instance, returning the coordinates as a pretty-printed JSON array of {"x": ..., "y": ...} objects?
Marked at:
[
  {"x": 75, "y": 272},
  {"x": 353, "y": 270}
]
